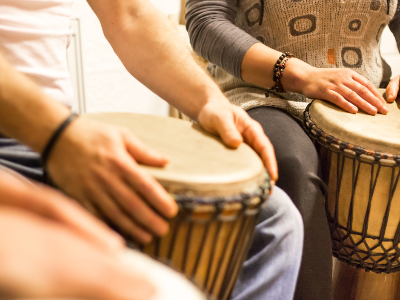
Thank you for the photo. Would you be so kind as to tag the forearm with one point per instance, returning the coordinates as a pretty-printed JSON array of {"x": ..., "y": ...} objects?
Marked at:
[
  {"x": 26, "y": 113},
  {"x": 152, "y": 51},
  {"x": 258, "y": 67}
]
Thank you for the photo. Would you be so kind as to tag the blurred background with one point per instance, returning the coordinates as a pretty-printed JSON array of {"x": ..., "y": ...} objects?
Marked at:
[{"x": 98, "y": 76}]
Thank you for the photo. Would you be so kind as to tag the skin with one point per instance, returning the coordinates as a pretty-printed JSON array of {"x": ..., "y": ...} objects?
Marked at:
[
  {"x": 98, "y": 164},
  {"x": 51, "y": 248},
  {"x": 343, "y": 87},
  {"x": 392, "y": 90}
]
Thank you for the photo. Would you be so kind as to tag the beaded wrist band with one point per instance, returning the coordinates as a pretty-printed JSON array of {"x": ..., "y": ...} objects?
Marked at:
[
  {"x": 278, "y": 71},
  {"x": 54, "y": 138}
]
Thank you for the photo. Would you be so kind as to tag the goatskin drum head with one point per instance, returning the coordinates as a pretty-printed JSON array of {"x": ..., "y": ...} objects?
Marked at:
[
  {"x": 200, "y": 163},
  {"x": 379, "y": 133}
]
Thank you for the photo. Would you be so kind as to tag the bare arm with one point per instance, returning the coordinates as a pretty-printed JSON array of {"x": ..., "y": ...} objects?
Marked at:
[
  {"x": 26, "y": 113},
  {"x": 152, "y": 51}
]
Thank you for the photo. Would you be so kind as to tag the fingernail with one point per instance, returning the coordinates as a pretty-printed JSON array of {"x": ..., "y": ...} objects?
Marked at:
[{"x": 384, "y": 109}]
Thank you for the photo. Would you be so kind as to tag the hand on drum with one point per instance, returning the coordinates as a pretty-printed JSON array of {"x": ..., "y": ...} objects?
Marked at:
[
  {"x": 18, "y": 192},
  {"x": 97, "y": 165},
  {"x": 343, "y": 87},
  {"x": 392, "y": 90},
  {"x": 234, "y": 126},
  {"x": 41, "y": 258}
]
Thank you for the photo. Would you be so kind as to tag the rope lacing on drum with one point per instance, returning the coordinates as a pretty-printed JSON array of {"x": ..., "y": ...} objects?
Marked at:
[{"x": 370, "y": 252}]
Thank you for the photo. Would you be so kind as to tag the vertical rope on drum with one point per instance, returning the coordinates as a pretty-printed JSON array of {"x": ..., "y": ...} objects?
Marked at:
[
  {"x": 386, "y": 219},
  {"x": 221, "y": 260},
  {"x": 239, "y": 254},
  {"x": 217, "y": 232},
  {"x": 351, "y": 210},
  {"x": 354, "y": 178},
  {"x": 175, "y": 233},
  {"x": 198, "y": 258},
  {"x": 338, "y": 186},
  {"x": 372, "y": 186},
  {"x": 396, "y": 239},
  {"x": 187, "y": 244}
]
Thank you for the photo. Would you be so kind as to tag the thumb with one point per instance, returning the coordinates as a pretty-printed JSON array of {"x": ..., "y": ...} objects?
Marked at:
[
  {"x": 228, "y": 131},
  {"x": 143, "y": 154},
  {"x": 392, "y": 89}
]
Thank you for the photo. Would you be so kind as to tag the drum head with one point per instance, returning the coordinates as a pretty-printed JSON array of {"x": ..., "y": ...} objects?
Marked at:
[
  {"x": 379, "y": 133},
  {"x": 199, "y": 162}
]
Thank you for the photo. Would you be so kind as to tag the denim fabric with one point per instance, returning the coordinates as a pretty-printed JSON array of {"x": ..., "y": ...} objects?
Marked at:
[
  {"x": 21, "y": 159},
  {"x": 272, "y": 266}
]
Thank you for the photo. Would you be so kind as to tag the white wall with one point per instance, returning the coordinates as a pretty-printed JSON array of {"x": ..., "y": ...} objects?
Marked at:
[
  {"x": 390, "y": 52},
  {"x": 108, "y": 86}
]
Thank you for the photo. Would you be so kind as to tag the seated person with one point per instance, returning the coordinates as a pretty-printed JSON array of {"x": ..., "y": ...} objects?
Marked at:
[
  {"x": 97, "y": 164},
  {"x": 338, "y": 59}
]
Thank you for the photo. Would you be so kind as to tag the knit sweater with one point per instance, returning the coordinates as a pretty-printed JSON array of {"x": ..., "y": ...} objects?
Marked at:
[{"x": 323, "y": 33}]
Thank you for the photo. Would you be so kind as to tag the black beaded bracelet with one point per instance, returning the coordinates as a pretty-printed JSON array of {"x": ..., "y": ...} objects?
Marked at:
[
  {"x": 54, "y": 138},
  {"x": 278, "y": 71}
]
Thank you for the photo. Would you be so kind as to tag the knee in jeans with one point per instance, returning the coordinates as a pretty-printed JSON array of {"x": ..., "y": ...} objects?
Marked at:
[{"x": 282, "y": 209}]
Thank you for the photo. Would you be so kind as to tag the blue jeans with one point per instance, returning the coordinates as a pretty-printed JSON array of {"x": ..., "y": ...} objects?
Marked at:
[{"x": 272, "y": 266}]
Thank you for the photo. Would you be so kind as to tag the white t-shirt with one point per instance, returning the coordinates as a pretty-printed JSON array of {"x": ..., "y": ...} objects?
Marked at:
[{"x": 34, "y": 36}]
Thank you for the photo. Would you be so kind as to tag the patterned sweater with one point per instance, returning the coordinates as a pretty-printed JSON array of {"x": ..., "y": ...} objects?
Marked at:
[{"x": 323, "y": 33}]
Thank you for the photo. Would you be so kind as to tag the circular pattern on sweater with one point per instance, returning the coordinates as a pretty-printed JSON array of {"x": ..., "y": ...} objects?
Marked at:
[
  {"x": 351, "y": 57},
  {"x": 254, "y": 14},
  {"x": 302, "y": 25},
  {"x": 355, "y": 25},
  {"x": 375, "y": 5}
]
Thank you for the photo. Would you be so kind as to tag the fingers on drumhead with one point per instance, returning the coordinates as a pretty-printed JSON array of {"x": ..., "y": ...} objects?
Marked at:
[
  {"x": 338, "y": 99},
  {"x": 392, "y": 89}
]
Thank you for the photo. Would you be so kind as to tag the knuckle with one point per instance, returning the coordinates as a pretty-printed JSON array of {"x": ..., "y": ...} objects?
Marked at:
[
  {"x": 336, "y": 99},
  {"x": 364, "y": 90},
  {"x": 351, "y": 94},
  {"x": 323, "y": 89}
]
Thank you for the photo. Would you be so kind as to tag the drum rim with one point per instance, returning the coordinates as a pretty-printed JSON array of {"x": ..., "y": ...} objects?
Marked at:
[
  {"x": 319, "y": 134},
  {"x": 261, "y": 191}
]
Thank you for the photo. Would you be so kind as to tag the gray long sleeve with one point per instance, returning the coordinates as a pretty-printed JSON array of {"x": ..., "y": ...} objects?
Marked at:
[{"x": 214, "y": 35}]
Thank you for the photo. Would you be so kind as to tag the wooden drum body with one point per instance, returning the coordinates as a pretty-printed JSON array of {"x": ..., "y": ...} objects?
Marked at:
[
  {"x": 361, "y": 170},
  {"x": 219, "y": 192}
]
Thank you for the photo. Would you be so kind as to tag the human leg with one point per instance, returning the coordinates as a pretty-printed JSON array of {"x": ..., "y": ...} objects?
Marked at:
[
  {"x": 272, "y": 265},
  {"x": 298, "y": 176}
]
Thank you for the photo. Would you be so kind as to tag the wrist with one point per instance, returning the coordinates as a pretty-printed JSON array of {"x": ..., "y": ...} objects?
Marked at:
[
  {"x": 295, "y": 75},
  {"x": 214, "y": 98}
]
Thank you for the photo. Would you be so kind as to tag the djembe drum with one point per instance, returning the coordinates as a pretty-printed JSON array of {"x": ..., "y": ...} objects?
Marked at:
[
  {"x": 219, "y": 191},
  {"x": 360, "y": 164}
]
